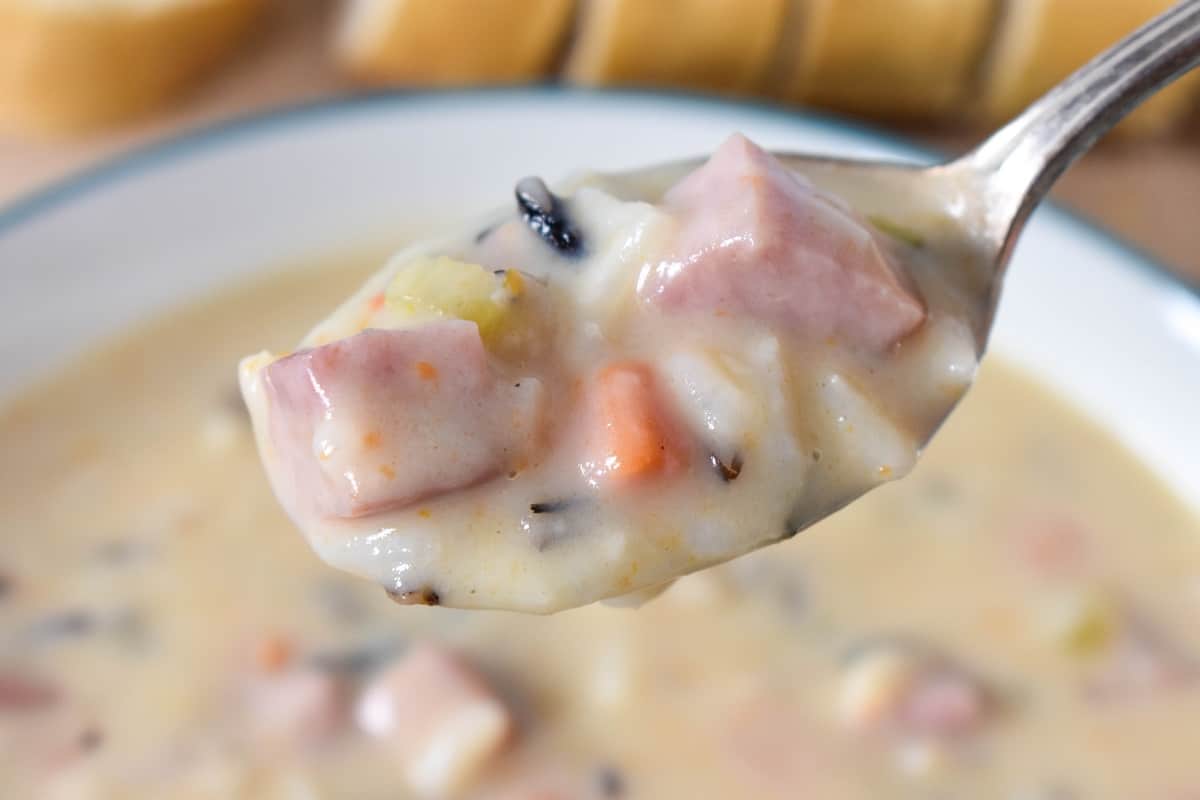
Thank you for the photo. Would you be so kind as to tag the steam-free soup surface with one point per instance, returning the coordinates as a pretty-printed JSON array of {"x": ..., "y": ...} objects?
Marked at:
[{"x": 1017, "y": 619}]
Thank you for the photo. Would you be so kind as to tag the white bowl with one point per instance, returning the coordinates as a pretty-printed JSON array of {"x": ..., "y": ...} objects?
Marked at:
[{"x": 98, "y": 252}]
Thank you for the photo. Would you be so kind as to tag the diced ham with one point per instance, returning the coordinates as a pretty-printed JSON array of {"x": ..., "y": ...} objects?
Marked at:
[
  {"x": 1053, "y": 546},
  {"x": 903, "y": 690},
  {"x": 385, "y": 418},
  {"x": 1143, "y": 662},
  {"x": 42, "y": 729},
  {"x": 19, "y": 694},
  {"x": 441, "y": 719},
  {"x": 944, "y": 703},
  {"x": 296, "y": 708},
  {"x": 757, "y": 240},
  {"x": 779, "y": 752}
]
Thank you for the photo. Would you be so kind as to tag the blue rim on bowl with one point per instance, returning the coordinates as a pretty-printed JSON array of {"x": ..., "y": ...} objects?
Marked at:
[{"x": 113, "y": 170}]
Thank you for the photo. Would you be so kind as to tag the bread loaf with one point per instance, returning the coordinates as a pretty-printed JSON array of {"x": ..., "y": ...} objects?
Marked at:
[
  {"x": 892, "y": 58},
  {"x": 718, "y": 45},
  {"x": 1040, "y": 42},
  {"x": 451, "y": 42},
  {"x": 69, "y": 66}
]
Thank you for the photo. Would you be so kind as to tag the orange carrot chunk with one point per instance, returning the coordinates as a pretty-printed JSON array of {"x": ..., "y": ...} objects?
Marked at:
[
  {"x": 272, "y": 654},
  {"x": 637, "y": 434}
]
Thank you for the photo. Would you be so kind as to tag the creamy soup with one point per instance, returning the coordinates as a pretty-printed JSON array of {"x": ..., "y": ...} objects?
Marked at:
[
  {"x": 593, "y": 395},
  {"x": 1015, "y": 620}
]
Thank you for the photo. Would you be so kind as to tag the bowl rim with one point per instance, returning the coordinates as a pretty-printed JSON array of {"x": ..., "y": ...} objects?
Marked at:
[{"x": 114, "y": 169}]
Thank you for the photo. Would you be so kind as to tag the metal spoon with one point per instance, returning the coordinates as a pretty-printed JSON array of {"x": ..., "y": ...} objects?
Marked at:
[
  {"x": 994, "y": 188},
  {"x": 980, "y": 202}
]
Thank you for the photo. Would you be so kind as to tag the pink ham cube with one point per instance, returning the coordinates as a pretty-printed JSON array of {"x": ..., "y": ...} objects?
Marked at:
[
  {"x": 296, "y": 709},
  {"x": 442, "y": 720},
  {"x": 387, "y": 417},
  {"x": 758, "y": 240}
]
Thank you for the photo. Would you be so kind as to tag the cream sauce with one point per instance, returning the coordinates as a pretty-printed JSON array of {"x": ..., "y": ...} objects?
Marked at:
[
  {"x": 530, "y": 422},
  {"x": 152, "y": 589}
]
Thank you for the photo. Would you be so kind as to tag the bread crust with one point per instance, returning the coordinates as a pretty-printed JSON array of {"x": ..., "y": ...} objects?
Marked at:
[
  {"x": 892, "y": 58},
  {"x": 71, "y": 69},
  {"x": 721, "y": 45},
  {"x": 451, "y": 42},
  {"x": 1041, "y": 42}
]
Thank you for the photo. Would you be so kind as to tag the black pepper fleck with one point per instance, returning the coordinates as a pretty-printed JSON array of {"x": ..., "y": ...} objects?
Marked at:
[
  {"x": 610, "y": 782},
  {"x": 727, "y": 472},
  {"x": 550, "y": 506},
  {"x": 90, "y": 740},
  {"x": 418, "y": 597}
]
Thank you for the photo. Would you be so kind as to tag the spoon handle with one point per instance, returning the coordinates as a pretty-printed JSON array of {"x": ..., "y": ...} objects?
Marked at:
[{"x": 1020, "y": 162}]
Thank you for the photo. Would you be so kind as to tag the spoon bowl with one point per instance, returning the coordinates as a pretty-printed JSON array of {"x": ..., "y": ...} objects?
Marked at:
[{"x": 592, "y": 395}]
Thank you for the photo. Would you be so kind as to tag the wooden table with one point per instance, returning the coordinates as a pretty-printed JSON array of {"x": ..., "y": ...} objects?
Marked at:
[{"x": 1147, "y": 192}]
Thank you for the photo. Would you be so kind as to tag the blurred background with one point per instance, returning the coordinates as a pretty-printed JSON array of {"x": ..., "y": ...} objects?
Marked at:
[{"x": 83, "y": 80}]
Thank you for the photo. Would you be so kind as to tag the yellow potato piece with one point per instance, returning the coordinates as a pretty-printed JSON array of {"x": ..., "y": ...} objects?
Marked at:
[
  {"x": 1083, "y": 623},
  {"x": 443, "y": 287}
]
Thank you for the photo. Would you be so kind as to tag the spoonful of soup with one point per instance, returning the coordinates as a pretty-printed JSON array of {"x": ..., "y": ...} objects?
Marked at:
[{"x": 642, "y": 374}]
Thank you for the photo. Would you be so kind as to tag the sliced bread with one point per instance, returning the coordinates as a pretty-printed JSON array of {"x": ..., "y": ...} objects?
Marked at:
[
  {"x": 892, "y": 58},
  {"x": 451, "y": 42},
  {"x": 1041, "y": 42},
  {"x": 69, "y": 66},
  {"x": 721, "y": 45}
]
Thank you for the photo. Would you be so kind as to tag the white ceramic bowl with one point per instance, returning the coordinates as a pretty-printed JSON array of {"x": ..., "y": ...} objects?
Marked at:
[{"x": 98, "y": 252}]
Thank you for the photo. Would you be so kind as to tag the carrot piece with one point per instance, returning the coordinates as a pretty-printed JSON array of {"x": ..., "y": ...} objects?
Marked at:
[
  {"x": 273, "y": 653},
  {"x": 427, "y": 371},
  {"x": 636, "y": 431}
]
